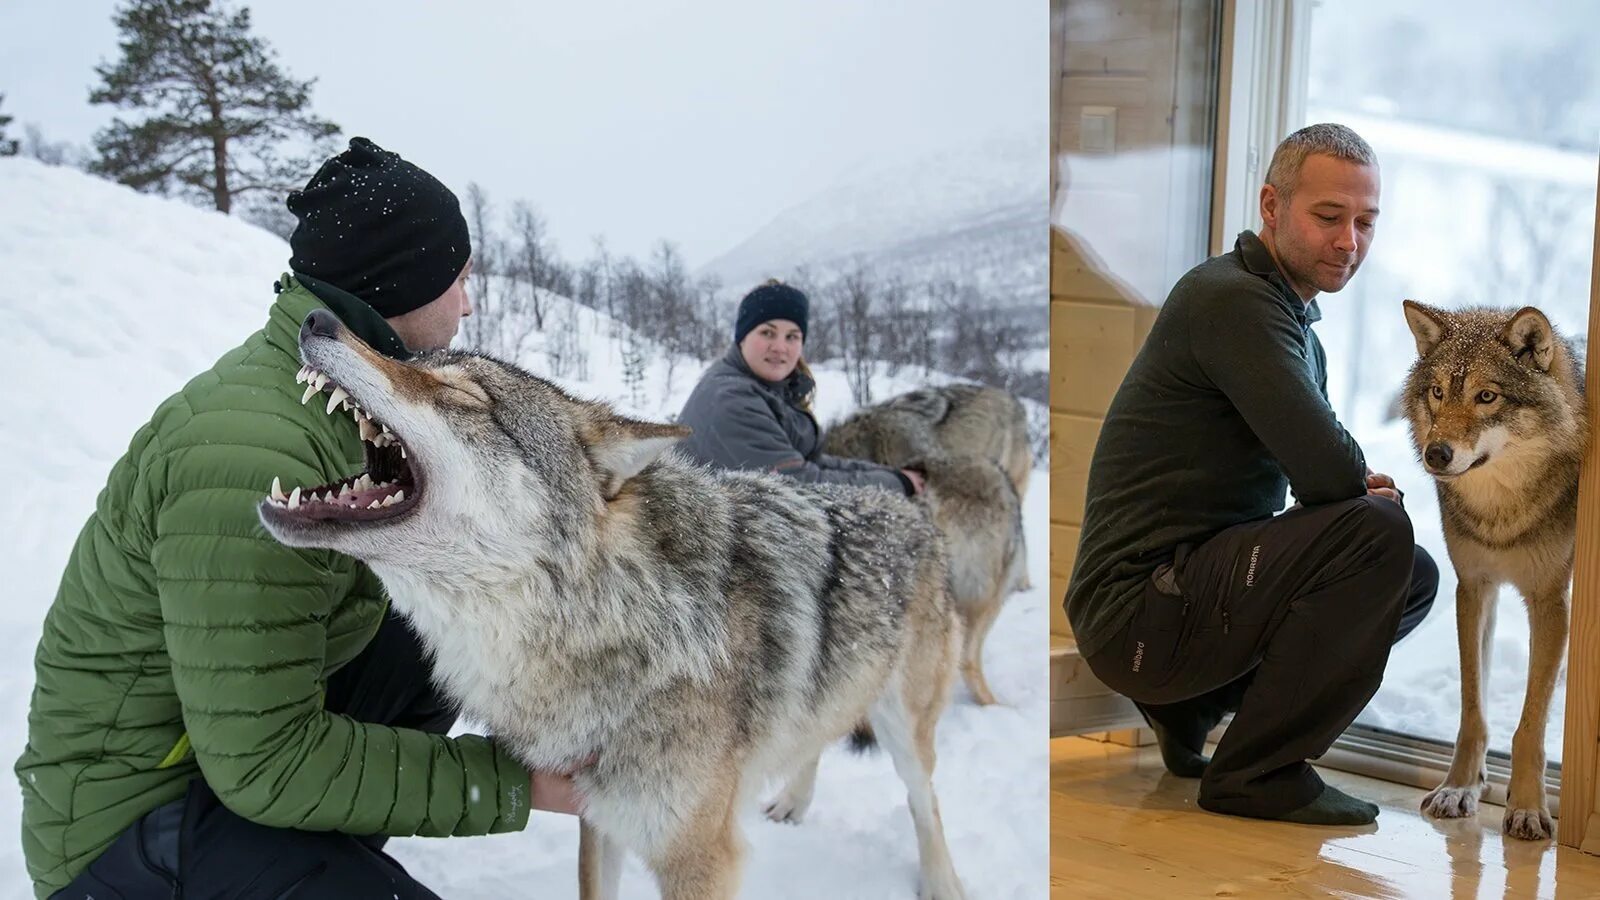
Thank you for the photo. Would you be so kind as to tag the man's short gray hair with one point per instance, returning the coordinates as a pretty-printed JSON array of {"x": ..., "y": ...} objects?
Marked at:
[{"x": 1328, "y": 139}]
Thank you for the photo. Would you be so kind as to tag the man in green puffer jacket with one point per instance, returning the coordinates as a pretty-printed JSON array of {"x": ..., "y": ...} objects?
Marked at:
[{"x": 215, "y": 712}]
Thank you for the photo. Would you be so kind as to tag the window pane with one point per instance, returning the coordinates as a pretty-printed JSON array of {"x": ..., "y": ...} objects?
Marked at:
[{"x": 1486, "y": 122}]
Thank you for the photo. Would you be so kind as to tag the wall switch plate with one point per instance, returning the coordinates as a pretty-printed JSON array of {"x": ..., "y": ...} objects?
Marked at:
[{"x": 1097, "y": 129}]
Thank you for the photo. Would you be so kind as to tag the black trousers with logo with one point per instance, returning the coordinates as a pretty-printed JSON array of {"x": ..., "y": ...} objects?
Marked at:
[
  {"x": 1286, "y": 622},
  {"x": 195, "y": 847}
]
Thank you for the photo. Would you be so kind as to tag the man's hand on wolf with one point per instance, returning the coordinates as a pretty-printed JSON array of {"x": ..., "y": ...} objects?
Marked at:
[
  {"x": 1384, "y": 486},
  {"x": 918, "y": 483},
  {"x": 555, "y": 791}
]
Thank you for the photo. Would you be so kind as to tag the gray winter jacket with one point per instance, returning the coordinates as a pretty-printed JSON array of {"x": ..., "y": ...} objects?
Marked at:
[{"x": 743, "y": 422}]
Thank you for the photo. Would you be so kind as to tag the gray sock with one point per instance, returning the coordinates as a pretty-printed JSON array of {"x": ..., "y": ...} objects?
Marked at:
[{"x": 1334, "y": 807}]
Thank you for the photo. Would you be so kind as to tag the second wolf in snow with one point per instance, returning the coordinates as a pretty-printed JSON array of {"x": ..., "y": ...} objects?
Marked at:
[
  {"x": 972, "y": 443},
  {"x": 590, "y": 599}
]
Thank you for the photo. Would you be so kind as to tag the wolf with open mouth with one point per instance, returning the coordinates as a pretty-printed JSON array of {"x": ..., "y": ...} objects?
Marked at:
[{"x": 590, "y": 597}]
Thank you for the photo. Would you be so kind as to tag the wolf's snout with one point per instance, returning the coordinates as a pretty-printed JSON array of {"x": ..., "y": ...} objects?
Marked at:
[
  {"x": 1438, "y": 455},
  {"x": 320, "y": 323}
]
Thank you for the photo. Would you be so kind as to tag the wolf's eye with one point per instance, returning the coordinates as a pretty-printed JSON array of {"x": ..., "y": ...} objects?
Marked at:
[
  {"x": 1487, "y": 396},
  {"x": 1438, "y": 392}
]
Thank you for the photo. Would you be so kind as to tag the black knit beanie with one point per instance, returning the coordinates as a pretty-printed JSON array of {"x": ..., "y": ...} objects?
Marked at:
[
  {"x": 773, "y": 300},
  {"x": 380, "y": 228}
]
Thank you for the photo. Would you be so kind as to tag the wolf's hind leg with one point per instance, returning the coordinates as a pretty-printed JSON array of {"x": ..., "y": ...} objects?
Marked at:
[
  {"x": 907, "y": 734},
  {"x": 791, "y": 804},
  {"x": 599, "y": 864},
  {"x": 1467, "y": 780},
  {"x": 979, "y": 621},
  {"x": 1527, "y": 812}
]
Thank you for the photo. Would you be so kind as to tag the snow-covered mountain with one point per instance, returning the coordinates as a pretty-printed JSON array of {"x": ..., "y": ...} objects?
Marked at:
[
  {"x": 978, "y": 215},
  {"x": 111, "y": 300}
]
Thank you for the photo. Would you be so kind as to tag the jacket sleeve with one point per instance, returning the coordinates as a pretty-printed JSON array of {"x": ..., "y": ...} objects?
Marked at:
[
  {"x": 843, "y": 470},
  {"x": 749, "y": 436},
  {"x": 244, "y": 621},
  {"x": 1254, "y": 351}
]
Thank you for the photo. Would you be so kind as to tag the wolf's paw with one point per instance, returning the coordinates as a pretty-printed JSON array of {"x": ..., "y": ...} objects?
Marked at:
[
  {"x": 1529, "y": 824},
  {"x": 787, "y": 809},
  {"x": 982, "y": 696},
  {"x": 1450, "y": 802}
]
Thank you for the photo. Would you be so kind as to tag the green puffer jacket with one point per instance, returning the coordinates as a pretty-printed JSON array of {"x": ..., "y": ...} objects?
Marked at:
[{"x": 185, "y": 641}]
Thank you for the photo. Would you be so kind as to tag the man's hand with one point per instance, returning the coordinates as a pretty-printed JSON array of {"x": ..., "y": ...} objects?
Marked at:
[
  {"x": 918, "y": 482},
  {"x": 1384, "y": 486},
  {"x": 556, "y": 792}
]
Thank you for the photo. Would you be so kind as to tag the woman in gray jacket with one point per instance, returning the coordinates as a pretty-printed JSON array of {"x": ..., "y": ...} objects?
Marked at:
[{"x": 752, "y": 408}]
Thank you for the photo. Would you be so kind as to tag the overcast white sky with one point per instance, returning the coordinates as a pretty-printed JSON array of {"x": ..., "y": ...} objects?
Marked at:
[{"x": 697, "y": 121}]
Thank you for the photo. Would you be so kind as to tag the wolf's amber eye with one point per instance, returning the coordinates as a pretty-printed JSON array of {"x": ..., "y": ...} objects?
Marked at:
[
  {"x": 1487, "y": 396},
  {"x": 1438, "y": 392}
]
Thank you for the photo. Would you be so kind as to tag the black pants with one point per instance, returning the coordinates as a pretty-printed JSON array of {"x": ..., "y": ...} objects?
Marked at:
[
  {"x": 195, "y": 847},
  {"x": 1285, "y": 622}
]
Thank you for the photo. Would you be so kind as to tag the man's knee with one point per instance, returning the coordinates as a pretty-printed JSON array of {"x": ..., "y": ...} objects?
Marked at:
[
  {"x": 1424, "y": 576},
  {"x": 1386, "y": 521},
  {"x": 1384, "y": 549}
]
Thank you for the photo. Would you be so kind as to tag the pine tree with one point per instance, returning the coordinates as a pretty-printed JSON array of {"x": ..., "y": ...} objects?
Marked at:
[
  {"x": 221, "y": 119},
  {"x": 7, "y": 148}
]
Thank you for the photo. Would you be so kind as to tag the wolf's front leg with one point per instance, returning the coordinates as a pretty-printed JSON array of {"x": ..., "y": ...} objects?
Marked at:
[
  {"x": 599, "y": 864},
  {"x": 1458, "y": 796},
  {"x": 1527, "y": 815},
  {"x": 702, "y": 862}
]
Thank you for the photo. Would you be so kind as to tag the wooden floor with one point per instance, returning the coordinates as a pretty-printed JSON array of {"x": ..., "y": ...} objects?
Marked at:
[{"x": 1121, "y": 827}]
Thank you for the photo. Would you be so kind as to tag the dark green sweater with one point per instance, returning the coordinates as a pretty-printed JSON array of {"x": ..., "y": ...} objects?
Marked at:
[{"x": 1224, "y": 407}]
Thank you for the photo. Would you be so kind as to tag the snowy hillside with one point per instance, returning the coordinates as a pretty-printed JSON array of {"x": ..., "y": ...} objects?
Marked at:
[
  {"x": 112, "y": 300},
  {"x": 977, "y": 215}
]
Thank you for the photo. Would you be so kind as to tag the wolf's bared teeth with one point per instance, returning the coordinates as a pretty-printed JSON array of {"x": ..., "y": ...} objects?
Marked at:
[
  {"x": 277, "y": 489},
  {"x": 388, "y": 501},
  {"x": 374, "y": 505},
  {"x": 334, "y": 398},
  {"x": 300, "y": 376},
  {"x": 294, "y": 499},
  {"x": 367, "y": 429},
  {"x": 320, "y": 380},
  {"x": 364, "y": 482},
  {"x": 402, "y": 451},
  {"x": 398, "y": 496},
  {"x": 310, "y": 389}
]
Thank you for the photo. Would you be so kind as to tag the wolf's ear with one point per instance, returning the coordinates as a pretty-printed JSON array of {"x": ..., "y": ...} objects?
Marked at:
[
  {"x": 622, "y": 447},
  {"x": 1531, "y": 338},
  {"x": 1427, "y": 325}
]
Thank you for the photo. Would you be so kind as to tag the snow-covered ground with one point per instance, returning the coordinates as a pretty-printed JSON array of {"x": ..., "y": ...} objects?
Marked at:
[{"x": 112, "y": 300}]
